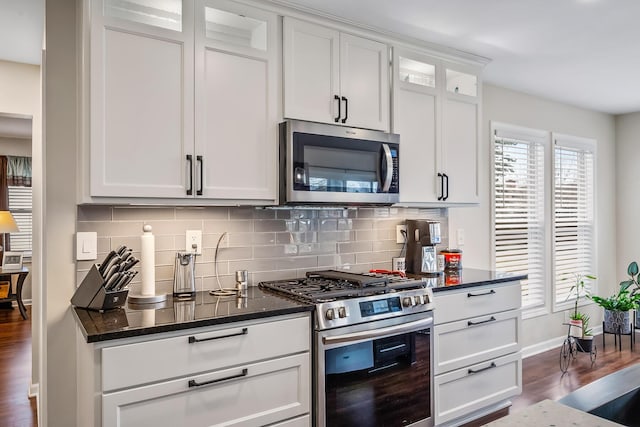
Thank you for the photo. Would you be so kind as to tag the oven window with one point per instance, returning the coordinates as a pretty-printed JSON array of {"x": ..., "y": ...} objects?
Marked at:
[{"x": 384, "y": 382}]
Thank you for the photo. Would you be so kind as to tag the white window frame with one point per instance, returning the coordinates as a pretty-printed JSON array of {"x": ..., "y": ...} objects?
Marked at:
[
  {"x": 504, "y": 130},
  {"x": 548, "y": 139},
  {"x": 589, "y": 145}
]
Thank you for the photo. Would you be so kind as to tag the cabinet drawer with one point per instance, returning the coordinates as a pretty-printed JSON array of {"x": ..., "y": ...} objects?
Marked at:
[
  {"x": 461, "y": 392},
  {"x": 268, "y": 392},
  {"x": 151, "y": 361},
  {"x": 463, "y": 343},
  {"x": 475, "y": 301}
]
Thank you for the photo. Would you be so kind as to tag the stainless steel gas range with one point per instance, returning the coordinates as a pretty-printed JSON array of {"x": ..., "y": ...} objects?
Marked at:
[{"x": 372, "y": 347}]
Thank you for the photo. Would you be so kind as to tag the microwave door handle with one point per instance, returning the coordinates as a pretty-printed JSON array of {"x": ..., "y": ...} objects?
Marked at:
[{"x": 386, "y": 157}]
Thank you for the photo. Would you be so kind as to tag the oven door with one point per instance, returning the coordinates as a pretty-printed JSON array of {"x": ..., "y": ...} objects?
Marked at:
[{"x": 375, "y": 374}]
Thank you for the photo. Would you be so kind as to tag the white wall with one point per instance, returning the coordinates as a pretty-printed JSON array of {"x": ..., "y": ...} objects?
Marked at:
[
  {"x": 628, "y": 177},
  {"x": 15, "y": 146},
  {"x": 58, "y": 379},
  {"x": 517, "y": 108}
]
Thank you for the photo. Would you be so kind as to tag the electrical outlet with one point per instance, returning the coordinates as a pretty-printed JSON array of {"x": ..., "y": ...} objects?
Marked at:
[
  {"x": 399, "y": 236},
  {"x": 460, "y": 236},
  {"x": 193, "y": 242}
]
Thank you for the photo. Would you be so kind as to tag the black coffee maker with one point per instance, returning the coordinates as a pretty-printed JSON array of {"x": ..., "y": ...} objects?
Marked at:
[{"x": 422, "y": 238}]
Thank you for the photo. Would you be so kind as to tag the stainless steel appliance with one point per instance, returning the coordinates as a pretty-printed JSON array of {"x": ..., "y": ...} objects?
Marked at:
[
  {"x": 322, "y": 163},
  {"x": 422, "y": 238},
  {"x": 184, "y": 275},
  {"x": 372, "y": 347}
]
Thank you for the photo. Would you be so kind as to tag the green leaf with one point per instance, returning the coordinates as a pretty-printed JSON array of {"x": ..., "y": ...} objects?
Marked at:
[{"x": 632, "y": 270}]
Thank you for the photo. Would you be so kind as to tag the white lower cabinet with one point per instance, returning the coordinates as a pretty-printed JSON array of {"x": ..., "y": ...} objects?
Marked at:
[
  {"x": 476, "y": 358},
  {"x": 249, "y": 373},
  {"x": 463, "y": 391},
  {"x": 249, "y": 395}
]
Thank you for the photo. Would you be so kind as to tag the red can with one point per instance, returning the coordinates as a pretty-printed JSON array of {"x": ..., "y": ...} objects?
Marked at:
[{"x": 452, "y": 259}]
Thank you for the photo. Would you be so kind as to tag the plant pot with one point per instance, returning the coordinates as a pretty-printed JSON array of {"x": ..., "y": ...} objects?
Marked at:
[
  {"x": 637, "y": 323},
  {"x": 585, "y": 344},
  {"x": 575, "y": 329},
  {"x": 617, "y": 322}
]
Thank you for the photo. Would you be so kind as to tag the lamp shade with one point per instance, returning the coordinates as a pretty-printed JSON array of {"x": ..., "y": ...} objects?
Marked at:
[{"x": 7, "y": 223}]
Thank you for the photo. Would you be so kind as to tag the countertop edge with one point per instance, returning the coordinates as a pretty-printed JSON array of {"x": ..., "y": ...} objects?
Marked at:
[
  {"x": 515, "y": 278},
  {"x": 139, "y": 332}
]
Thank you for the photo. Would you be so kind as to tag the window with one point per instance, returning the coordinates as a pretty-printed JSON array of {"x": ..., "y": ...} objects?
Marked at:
[
  {"x": 20, "y": 203},
  {"x": 527, "y": 195},
  {"x": 519, "y": 209},
  {"x": 573, "y": 200}
]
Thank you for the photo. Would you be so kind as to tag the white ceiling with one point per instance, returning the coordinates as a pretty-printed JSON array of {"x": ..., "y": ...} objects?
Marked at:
[{"x": 582, "y": 52}]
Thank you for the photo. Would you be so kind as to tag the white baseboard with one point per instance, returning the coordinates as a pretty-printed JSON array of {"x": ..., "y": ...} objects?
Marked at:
[
  {"x": 541, "y": 347},
  {"x": 34, "y": 390}
]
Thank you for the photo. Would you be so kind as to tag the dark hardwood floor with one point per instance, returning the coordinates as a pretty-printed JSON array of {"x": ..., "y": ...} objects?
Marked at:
[{"x": 16, "y": 409}]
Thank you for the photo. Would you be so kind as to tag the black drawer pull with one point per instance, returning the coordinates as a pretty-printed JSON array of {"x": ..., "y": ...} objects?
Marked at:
[
  {"x": 194, "y": 383},
  {"x": 470, "y": 323},
  {"x": 469, "y": 295},
  {"x": 193, "y": 339},
  {"x": 493, "y": 365}
]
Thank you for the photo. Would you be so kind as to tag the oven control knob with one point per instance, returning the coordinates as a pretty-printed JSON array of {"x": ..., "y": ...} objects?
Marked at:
[
  {"x": 427, "y": 300},
  {"x": 342, "y": 312},
  {"x": 407, "y": 302},
  {"x": 330, "y": 314}
]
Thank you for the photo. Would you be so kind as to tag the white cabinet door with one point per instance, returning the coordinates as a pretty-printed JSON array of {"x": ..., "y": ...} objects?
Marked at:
[
  {"x": 311, "y": 71},
  {"x": 460, "y": 150},
  {"x": 415, "y": 118},
  {"x": 364, "y": 82},
  {"x": 236, "y": 103},
  {"x": 333, "y": 77},
  {"x": 249, "y": 395},
  {"x": 141, "y": 103}
]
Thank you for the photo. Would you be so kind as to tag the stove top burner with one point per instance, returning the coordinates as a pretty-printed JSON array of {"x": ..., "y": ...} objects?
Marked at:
[{"x": 332, "y": 285}]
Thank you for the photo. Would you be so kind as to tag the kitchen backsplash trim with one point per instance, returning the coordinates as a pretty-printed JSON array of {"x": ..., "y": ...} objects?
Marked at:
[{"x": 270, "y": 243}]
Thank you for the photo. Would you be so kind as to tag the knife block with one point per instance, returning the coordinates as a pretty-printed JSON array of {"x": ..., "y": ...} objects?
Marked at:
[{"x": 92, "y": 295}]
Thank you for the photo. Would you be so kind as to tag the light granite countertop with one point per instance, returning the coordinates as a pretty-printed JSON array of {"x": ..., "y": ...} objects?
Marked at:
[{"x": 551, "y": 414}]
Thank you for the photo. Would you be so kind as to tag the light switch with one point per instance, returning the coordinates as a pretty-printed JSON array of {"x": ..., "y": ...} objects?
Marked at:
[{"x": 86, "y": 245}]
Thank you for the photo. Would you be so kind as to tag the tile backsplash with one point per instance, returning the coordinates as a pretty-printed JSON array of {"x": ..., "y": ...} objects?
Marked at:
[{"x": 270, "y": 243}]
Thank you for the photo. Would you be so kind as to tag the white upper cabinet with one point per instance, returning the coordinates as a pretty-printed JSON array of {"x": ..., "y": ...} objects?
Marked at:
[
  {"x": 141, "y": 105},
  {"x": 436, "y": 111},
  {"x": 334, "y": 77},
  {"x": 184, "y": 98},
  {"x": 236, "y": 103}
]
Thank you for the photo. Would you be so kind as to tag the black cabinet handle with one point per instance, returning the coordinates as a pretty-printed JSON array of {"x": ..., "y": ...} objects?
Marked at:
[
  {"x": 337, "y": 98},
  {"x": 441, "y": 186},
  {"x": 193, "y": 339},
  {"x": 200, "y": 160},
  {"x": 447, "y": 186},
  {"x": 194, "y": 383},
  {"x": 470, "y": 323},
  {"x": 190, "y": 188},
  {"x": 471, "y": 371},
  {"x": 469, "y": 295},
  {"x": 346, "y": 109}
]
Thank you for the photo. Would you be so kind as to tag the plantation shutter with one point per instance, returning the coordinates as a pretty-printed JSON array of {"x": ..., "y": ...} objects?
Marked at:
[
  {"x": 573, "y": 207},
  {"x": 20, "y": 205},
  {"x": 519, "y": 208}
]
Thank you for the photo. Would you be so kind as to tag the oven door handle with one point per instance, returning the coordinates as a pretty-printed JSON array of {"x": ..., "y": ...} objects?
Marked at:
[{"x": 417, "y": 325}]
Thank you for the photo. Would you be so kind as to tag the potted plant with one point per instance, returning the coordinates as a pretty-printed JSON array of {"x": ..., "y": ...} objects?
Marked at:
[
  {"x": 585, "y": 340},
  {"x": 634, "y": 282},
  {"x": 617, "y": 307},
  {"x": 577, "y": 318}
]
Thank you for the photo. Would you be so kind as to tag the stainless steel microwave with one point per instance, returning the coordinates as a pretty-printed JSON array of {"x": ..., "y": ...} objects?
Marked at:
[{"x": 322, "y": 163}]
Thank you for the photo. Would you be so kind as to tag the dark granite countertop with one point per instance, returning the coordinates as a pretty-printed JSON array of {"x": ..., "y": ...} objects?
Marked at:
[
  {"x": 468, "y": 278},
  {"x": 174, "y": 315}
]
